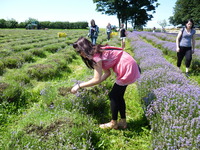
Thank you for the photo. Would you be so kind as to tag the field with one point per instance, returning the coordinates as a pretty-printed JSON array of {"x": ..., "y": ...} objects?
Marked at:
[{"x": 37, "y": 111}]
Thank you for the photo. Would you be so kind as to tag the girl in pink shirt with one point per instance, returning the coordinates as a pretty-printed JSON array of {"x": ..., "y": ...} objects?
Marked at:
[{"x": 102, "y": 59}]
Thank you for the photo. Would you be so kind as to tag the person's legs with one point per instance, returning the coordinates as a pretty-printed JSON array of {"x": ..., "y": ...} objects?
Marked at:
[
  {"x": 108, "y": 36},
  {"x": 94, "y": 40},
  {"x": 180, "y": 56},
  {"x": 188, "y": 59},
  {"x": 123, "y": 42},
  {"x": 117, "y": 101},
  {"x": 117, "y": 104}
]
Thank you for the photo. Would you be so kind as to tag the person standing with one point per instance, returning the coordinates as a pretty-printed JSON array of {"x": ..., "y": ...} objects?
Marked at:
[
  {"x": 122, "y": 33},
  {"x": 154, "y": 29},
  {"x": 185, "y": 44},
  {"x": 108, "y": 31},
  {"x": 103, "y": 58},
  {"x": 93, "y": 32}
]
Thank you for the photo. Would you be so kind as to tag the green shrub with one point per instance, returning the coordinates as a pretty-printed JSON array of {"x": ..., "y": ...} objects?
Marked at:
[
  {"x": 28, "y": 56},
  {"x": 17, "y": 76},
  {"x": 195, "y": 66},
  {"x": 52, "y": 48},
  {"x": 42, "y": 71},
  {"x": 18, "y": 48},
  {"x": 5, "y": 52},
  {"x": 13, "y": 61},
  {"x": 1, "y": 67},
  {"x": 38, "y": 52},
  {"x": 10, "y": 92}
]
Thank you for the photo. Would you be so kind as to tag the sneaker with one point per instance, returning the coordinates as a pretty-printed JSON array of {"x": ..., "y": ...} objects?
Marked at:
[
  {"x": 122, "y": 124},
  {"x": 110, "y": 125}
]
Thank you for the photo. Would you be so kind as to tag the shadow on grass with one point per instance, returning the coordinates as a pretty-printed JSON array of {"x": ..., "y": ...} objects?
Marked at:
[{"x": 138, "y": 125}]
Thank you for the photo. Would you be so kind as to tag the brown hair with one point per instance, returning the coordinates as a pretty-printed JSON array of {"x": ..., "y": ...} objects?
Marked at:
[
  {"x": 83, "y": 45},
  {"x": 92, "y": 22}
]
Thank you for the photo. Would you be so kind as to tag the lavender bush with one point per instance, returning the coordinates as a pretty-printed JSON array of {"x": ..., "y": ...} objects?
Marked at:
[
  {"x": 171, "y": 101},
  {"x": 169, "y": 48},
  {"x": 175, "y": 117}
]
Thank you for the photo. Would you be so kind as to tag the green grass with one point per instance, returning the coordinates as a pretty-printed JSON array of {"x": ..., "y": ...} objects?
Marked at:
[{"x": 50, "y": 117}]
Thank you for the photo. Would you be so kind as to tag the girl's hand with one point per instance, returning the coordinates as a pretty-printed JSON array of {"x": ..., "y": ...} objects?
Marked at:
[
  {"x": 75, "y": 89},
  {"x": 178, "y": 49},
  {"x": 193, "y": 51}
]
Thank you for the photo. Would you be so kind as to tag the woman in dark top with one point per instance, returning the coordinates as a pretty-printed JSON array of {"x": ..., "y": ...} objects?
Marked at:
[{"x": 122, "y": 35}]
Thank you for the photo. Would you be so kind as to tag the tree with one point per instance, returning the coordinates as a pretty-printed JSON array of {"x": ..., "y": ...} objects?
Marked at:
[
  {"x": 184, "y": 10},
  {"x": 134, "y": 11},
  {"x": 2, "y": 23},
  {"x": 162, "y": 23},
  {"x": 32, "y": 23},
  {"x": 12, "y": 23}
]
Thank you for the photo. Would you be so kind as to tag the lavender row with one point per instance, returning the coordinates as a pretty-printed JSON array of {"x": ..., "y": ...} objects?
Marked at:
[
  {"x": 171, "y": 101},
  {"x": 171, "y": 37},
  {"x": 170, "y": 46}
]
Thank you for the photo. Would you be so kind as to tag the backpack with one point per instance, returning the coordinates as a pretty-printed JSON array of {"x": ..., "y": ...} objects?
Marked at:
[{"x": 181, "y": 34}]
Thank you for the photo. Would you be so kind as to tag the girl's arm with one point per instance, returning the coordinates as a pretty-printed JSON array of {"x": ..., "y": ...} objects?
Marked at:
[
  {"x": 106, "y": 74},
  {"x": 193, "y": 43},
  {"x": 178, "y": 41},
  {"x": 97, "y": 78}
]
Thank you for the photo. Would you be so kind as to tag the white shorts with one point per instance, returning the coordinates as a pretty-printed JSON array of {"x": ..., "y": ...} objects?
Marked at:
[{"x": 123, "y": 38}]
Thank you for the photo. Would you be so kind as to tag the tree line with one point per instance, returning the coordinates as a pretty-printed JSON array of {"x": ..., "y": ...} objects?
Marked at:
[
  {"x": 135, "y": 12},
  {"x": 139, "y": 12},
  {"x": 184, "y": 10},
  {"x": 32, "y": 23}
]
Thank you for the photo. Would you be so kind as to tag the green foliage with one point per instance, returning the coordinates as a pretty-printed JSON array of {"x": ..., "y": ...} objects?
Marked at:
[
  {"x": 195, "y": 66},
  {"x": 45, "y": 115},
  {"x": 128, "y": 10},
  {"x": 51, "y": 48},
  {"x": 1, "y": 67},
  {"x": 13, "y": 61},
  {"x": 185, "y": 10},
  {"x": 17, "y": 76},
  {"x": 42, "y": 71},
  {"x": 27, "y": 56},
  {"x": 32, "y": 23},
  {"x": 38, "y": 52}
]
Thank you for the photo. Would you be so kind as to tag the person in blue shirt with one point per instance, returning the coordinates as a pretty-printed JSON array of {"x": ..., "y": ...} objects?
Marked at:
[
  {"x": 93, "y": 32},
  {"x": 108, "y": 31},
  {"x": 185, "y": 44}
]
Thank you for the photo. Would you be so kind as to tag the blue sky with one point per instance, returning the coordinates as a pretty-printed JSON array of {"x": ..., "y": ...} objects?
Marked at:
[{"x": 71, "y": 10}]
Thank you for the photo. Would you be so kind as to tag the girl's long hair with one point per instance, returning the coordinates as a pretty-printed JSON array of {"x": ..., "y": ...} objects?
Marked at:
[{"x": 83, "y": 45}]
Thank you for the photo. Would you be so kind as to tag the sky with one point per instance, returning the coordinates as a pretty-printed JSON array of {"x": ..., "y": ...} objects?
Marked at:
[{"x": 72, "y": 11}]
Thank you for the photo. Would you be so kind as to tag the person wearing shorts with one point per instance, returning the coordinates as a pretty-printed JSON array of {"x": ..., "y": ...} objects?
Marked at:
[{"x": 122, "y": 34}]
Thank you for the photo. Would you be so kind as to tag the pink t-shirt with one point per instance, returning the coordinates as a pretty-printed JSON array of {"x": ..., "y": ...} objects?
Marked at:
[{"x": 123, "y": 64}]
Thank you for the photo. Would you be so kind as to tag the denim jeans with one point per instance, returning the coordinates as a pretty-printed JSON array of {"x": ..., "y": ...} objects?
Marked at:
[{"x": 93, "y": 39}]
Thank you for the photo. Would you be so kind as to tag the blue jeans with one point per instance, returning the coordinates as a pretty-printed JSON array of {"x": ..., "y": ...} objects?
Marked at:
[
  {"x": 93, "y": 39},
  {"x": 108, "y": 35}
]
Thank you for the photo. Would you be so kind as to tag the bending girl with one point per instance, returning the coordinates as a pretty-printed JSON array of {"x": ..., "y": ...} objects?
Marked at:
[{"x": 102, "y": 59}]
